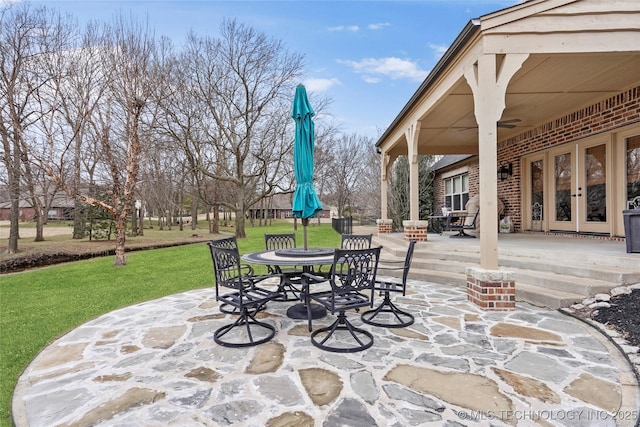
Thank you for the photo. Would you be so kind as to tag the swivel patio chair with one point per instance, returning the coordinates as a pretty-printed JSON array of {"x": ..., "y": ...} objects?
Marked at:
[
  {"x": 351, "y": 241},
  {"x": 352, "y": 279},
  {"x": 356, "y": 241},
  {"x": 288, "y": 276},
  {"x": 394, "y": 317},
  {"x": 246, "y": 269},
  {"x": 244, "y": 296}
]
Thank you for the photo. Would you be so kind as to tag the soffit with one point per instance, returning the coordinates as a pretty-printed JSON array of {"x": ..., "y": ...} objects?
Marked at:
[
  {"x": 566, "y": 71},
  {"x": 545, "y": 88}
]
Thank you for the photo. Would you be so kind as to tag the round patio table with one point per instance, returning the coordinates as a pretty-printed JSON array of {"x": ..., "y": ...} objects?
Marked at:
[{"x": 311, "y": 257}]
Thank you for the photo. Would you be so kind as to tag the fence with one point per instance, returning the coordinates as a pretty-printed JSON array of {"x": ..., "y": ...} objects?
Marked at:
[{"x": 343, "y": 225}]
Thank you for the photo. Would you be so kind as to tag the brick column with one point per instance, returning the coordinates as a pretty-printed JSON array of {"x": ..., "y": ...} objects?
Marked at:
[
  {"x": 384, "y": 225},
  {"x": 491, "y": 290},
  {"x": 415, "y": 230}
]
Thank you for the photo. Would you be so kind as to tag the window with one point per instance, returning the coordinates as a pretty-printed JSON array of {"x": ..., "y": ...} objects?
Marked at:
[
  {"x": 456, "y": 192},
  {"x": 633, "y": 171}
]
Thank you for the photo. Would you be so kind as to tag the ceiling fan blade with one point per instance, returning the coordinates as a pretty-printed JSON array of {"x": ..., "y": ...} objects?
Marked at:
[{"x": 507, "y": 123}]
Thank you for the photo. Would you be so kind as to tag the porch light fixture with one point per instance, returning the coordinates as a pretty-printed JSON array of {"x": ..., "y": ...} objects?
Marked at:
[{"x": 505, "y": 170}]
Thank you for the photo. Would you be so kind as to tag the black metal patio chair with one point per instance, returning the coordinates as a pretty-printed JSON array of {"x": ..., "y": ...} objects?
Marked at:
[
  {"x": 356, "y": 241},
  {"x": 288, "y": 276},
  {"x": 238, "y": 290},
  {"x": 352, "y": 279},
  {"x": 392, "y": 316},
  {"x": 245, "y": 269}
]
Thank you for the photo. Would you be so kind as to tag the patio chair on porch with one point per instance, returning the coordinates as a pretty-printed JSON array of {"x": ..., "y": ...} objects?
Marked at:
[
  {"x": 352, "y": 279},
  {"x": 289, "y": 276},
  {"x": 356, "y": 241},
  {"x": 244, "y": 296},
  {"x": 460, "y": 222},
  {"x": 394, "y": 317}
]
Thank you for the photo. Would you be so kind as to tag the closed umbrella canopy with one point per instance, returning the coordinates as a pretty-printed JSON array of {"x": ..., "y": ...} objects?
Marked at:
[{"x": 305, "y": 200}]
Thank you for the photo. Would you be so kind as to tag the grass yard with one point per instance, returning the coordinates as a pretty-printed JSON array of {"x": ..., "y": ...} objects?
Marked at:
[{"x": 40, "y": 305}]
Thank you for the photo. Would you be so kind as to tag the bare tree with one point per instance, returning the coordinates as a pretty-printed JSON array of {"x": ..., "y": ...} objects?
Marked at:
[
  {"x": 367, "y": 195},
  {"x": 126, "y": 63},
  {"x": 244, "y": 83},
  {"x": 27, "y": 39},
  {"x": 346, "y": 173}
]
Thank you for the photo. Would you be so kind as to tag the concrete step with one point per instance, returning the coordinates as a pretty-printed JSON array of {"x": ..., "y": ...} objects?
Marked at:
[
  {"x": 613, "y": 274},
  {"x": 544, "y": 276},
  {"x": 545, "y": 297},
  {"x": 458, "y": 260},
  {"x": 525, "y": 292},
  {"x": 583, "y": 287}
]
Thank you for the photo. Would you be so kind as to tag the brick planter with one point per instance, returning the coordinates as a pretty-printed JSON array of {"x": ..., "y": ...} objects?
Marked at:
[
  {"x": 415, "y": 230},
  {"x": 384, "y": 226},
  {"x": 491, "y": 290}
]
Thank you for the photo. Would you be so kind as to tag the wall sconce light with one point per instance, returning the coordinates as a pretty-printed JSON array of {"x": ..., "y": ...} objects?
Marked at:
[{"x": 505, "y": 170}]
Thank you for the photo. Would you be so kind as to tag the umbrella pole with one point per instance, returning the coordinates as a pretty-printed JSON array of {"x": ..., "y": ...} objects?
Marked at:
[{"x": 305, "y": 222}]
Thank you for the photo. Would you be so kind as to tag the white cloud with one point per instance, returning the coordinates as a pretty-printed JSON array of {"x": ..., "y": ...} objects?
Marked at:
[
  {"x": 321, "y": 85},
  {"x": 371, "y": 79},
  {"x": 378, "y": 26},
  {"x": 395, "y": 68},
  {"x": 352, "y": 28},
  {"x": 438, "y": 49}
]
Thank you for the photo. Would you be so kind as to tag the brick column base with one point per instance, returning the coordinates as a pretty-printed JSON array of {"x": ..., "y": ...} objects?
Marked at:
[
  {"x": 491, "y": 290},
  {"x": 384, "y": 225},
  {"x": 415, "y": 230}
]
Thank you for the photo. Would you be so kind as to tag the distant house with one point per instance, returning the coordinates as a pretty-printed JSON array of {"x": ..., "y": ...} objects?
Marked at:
[
  {"x": 278, "y": 206},
  {"x": 61, "y": 209}
]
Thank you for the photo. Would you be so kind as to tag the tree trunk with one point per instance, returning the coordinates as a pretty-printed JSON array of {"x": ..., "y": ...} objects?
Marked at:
[
  {"x": 78, "y": 222},
  {"x": 194, "y": 213},
  {"x": 14, "y": 195},
  {"x": 240, "y": 220},
  {"x": 12, "y": 248},
  {"x": 121, "y": 231},
  {"x": 141, "y": 219},
  {"x": 39, "y": 225},
  {"x": 216, "y": 220}
]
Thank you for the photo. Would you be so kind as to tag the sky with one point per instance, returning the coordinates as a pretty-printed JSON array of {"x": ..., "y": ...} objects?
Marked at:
[{"x": 368, "y": 57}]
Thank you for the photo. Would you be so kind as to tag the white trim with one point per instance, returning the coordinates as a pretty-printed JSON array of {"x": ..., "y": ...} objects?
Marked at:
[{"x": 455, "y": 172}]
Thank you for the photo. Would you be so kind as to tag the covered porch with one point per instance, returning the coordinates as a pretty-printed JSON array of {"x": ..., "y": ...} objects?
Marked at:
[{"x": 517, "y": 84}]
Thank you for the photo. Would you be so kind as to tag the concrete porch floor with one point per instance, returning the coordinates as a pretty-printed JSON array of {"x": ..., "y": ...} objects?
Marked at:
[{"x": 530, "y": 244}]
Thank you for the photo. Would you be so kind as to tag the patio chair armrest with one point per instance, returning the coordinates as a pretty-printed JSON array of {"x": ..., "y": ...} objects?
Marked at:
[
  {"x": 308, "y": 278},
  {"x": 257, "y": 279},
  {"x": 246, "y": 270}
]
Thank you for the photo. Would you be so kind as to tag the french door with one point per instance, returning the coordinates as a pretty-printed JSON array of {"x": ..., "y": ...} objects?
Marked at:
[{"x": 579, "y": 183}]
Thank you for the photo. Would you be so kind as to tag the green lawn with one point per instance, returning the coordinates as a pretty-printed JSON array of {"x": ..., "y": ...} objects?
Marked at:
[{"x": 38, "y": 306}]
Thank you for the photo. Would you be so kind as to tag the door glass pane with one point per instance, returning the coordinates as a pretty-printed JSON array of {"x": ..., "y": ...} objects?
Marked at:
[
  {"x": 562, "y": 171},
  {"x": 537, "y": 190},
  {"x": 595, "y": 167},
  {"x": 633, "y": 171}
]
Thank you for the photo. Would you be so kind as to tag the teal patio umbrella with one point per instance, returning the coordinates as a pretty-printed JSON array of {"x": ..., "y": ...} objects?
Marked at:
[{"x": 305, "y": 200}]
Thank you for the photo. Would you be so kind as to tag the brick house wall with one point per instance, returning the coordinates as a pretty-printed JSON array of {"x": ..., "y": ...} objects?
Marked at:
[{"x": 604, "y": 116}]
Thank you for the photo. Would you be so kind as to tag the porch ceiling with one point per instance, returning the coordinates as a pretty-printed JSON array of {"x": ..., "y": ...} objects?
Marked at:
[{"x": 547, "y": 87}]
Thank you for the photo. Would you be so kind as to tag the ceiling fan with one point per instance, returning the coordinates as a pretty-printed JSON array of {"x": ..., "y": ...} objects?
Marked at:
[
  {"x": 507, "y": 123},
  {"x": 500, "y": 123}
]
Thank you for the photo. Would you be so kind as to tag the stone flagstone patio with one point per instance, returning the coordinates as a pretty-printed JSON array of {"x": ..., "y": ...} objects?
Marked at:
[{"x": 156, "y": 364}]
